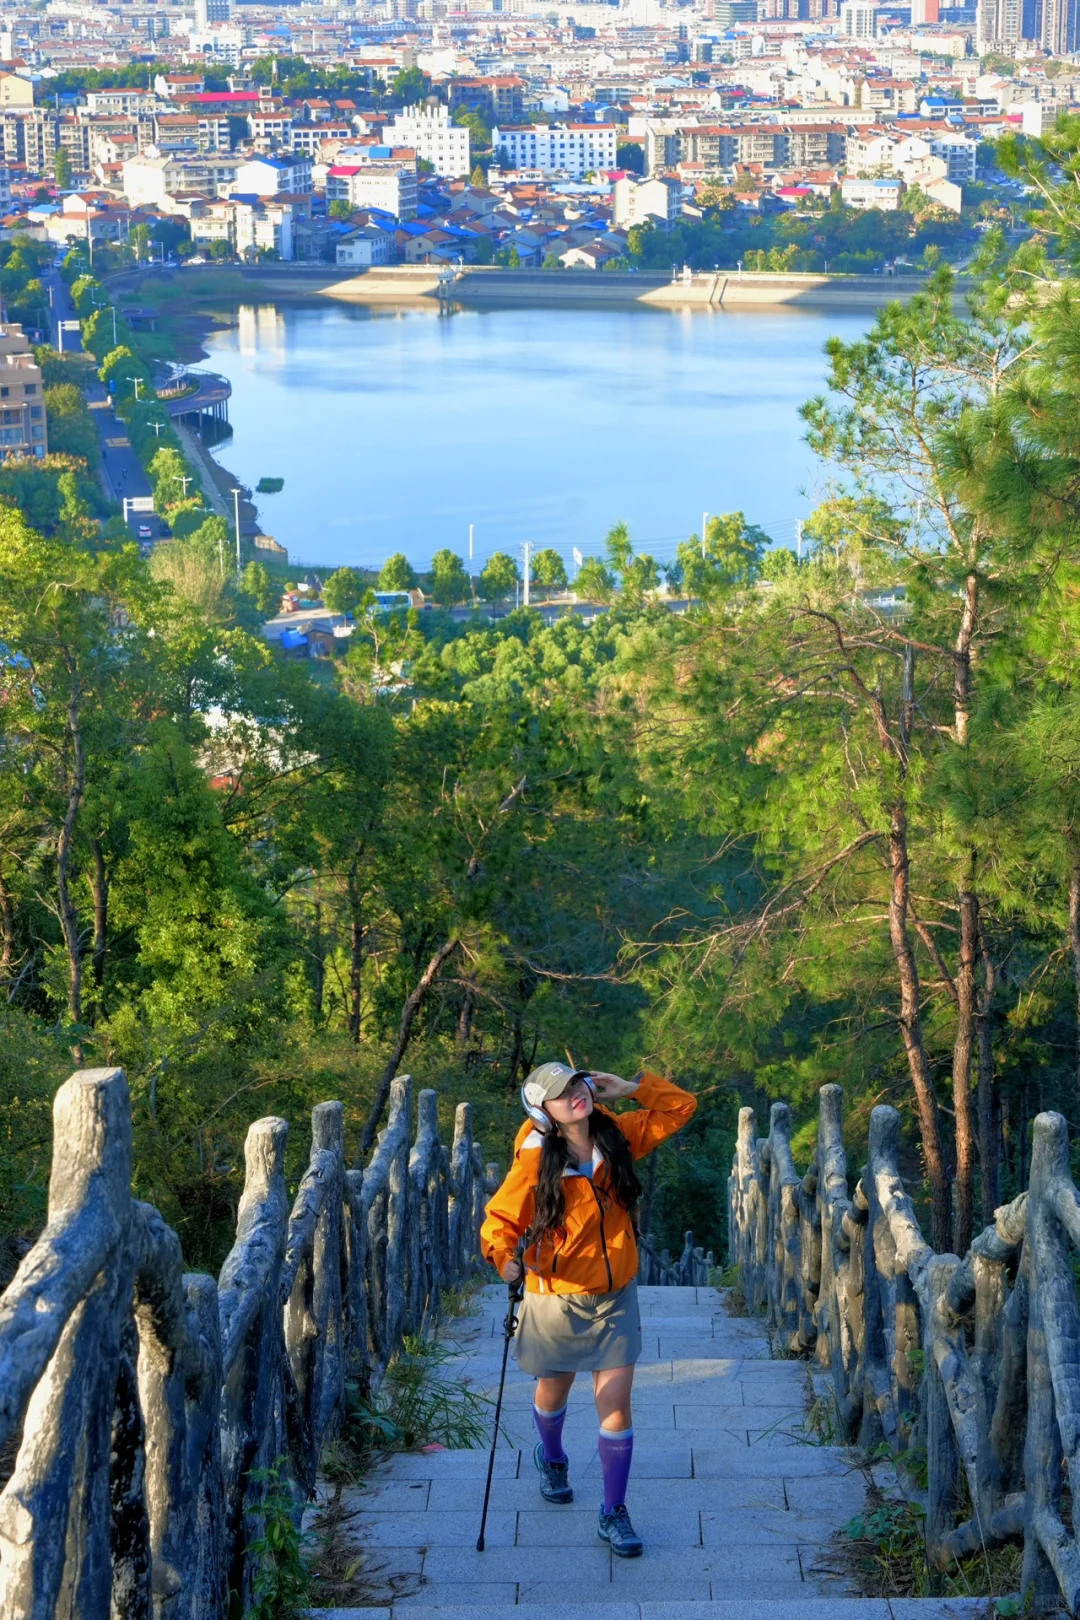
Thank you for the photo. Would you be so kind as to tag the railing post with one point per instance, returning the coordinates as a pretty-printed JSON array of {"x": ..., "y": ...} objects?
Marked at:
[
  {"x": 55, "y": 1511},
  {"x": 1051, "y": 1564}
]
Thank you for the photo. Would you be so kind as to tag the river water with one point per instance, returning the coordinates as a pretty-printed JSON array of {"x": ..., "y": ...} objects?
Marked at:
[{"x": 395, "y": 429}]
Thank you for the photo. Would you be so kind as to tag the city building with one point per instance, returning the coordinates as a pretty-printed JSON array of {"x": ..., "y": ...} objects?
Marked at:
[
  {"x": 882, "y": 194},
  {"x": 431, "y": 135},
  {"x": 498, "y": 98},
  {"x": 207, "y": 12},
  {"x": 365, "y": 246},
  {"x": 265, "y": 176},
  {"x": 23, "y": 425},
  {"x": 858, "y": 19},
  {"x": 646, "y": 202},
  {"x": 572, "y": 149},
  {"x": 385, "y": 185}
]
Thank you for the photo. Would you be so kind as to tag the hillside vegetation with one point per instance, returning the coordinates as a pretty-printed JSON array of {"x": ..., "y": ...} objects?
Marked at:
[{"x": 825, "y": 826}]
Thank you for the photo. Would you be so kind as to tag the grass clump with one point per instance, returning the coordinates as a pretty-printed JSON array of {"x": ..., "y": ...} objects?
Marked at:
[
  {"x": 886, "y": 1551},
  {"x": 731, "y": 1280},
  {"x": 283, "y": 1582}
]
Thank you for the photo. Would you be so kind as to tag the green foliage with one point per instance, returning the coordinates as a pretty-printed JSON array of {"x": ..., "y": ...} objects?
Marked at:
[
  {"x": 593, "y": 581},
  {"x": 343, "y": 591},
  {"x": 409, "y": 85},
  {"x": 256, "y": 584},
  {"x": 283, "y": 1583},
  {"x": 549, "y": 570},
  {"x": 448, "y": 580},
  {"x": 499, "y": 576},
  {"x": 398, "y": 574},
  {"x": 71, "y": 427},
  {"x": 852, "y": 240},
  {"x": 730, "y": 559}
]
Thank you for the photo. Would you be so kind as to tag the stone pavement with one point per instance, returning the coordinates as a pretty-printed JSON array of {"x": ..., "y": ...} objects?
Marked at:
[{"x": 736, "y": 1499}]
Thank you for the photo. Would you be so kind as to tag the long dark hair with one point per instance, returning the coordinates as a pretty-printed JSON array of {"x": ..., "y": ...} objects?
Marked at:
[{"x": 625, "y": 1188}]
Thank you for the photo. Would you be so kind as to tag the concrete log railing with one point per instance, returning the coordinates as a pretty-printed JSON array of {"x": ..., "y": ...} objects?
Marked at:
[
  {"x": 692, "y": 1269},
  {"x": 145, "y": 1400},
  {"x": 967, "y": 1368}
]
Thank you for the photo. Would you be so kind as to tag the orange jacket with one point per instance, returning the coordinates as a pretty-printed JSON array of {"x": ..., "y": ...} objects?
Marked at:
[{"x": 596, "y": 1251}]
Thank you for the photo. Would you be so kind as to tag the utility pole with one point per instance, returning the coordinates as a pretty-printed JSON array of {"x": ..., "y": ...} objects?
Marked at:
[
  {"x": 470, "y": 541},
  {"x": 237, "y": 492},
  {"x": 528, "y": 562},
  {"x": 798, "y": 536},
  {"x": 704, "y": 526}
]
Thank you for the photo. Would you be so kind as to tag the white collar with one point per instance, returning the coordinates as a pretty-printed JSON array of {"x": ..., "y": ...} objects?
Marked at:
[{"x": 597, "y": 1161}]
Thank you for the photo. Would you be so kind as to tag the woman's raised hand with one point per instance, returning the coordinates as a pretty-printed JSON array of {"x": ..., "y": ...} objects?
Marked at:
[
  {"x": 611, "y": 1085},
  {"x": 511, "y": 1271}
]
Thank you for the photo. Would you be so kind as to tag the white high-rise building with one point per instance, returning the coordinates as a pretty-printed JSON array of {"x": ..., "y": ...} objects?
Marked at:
[
  {"x": 858, "y": 19},
  {"x": 431, "y": 135},
  {"x": 212, "y": 11},
  {"x": 997, "y": 23},
  {"x": 573, "y": 149}
]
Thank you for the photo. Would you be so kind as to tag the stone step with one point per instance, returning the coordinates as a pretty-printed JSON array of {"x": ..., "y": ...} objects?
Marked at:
[
  {"x": 738, "y": 1503},
  {"x": 732, "y": 1607}
]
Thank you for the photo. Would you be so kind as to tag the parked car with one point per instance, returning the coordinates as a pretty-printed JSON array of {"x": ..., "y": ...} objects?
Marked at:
[{"x": 145, "y": 532}]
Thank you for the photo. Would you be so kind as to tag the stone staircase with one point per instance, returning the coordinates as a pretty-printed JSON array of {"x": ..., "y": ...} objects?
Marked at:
[{"x": 736, "y": 1497}]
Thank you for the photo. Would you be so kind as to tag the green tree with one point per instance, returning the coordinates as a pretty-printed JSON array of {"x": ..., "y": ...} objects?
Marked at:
[
  {"x": 593, "y": 581},
  {"x": 449, "y": 581},
  {"x": 409, "y": 85},
  {"x": 62, "y": 170},
  {"x": 71, "y": 427},
  {"x": 499, "y": 576},
  {"x": 398, "y": 574},
  {"x": 549, "y": 570},
  {"x": 731, "y": 557},
  {"x": 343, "y": 590},
  {"x": 256, "y": 583},
  {"x": 778, "y": 563}
]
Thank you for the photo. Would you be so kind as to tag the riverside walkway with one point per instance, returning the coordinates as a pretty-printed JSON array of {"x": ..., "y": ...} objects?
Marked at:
[{"x": 737, "y": 1500}]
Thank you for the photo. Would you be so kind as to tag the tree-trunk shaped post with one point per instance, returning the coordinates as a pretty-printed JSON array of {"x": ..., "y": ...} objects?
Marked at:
[
  {"x": 61, "y": 1331},
  {"x": 253, "y": 1342}
]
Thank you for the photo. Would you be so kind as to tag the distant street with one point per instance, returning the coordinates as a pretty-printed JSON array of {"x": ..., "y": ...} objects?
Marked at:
[{"x": 121, "y": 471}]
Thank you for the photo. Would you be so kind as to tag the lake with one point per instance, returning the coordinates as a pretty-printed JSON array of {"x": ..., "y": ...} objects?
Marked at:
[{"x": 395, "y": 429}]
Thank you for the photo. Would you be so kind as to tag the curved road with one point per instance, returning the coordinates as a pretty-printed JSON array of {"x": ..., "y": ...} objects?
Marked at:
[{"x": 121, "y": 471}]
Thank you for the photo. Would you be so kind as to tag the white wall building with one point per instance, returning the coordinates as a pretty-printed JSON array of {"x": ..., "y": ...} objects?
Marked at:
[
  {"x": 152, "y": 178},
  {"x": 883, "y": 194},
  {"x": 647, "y": 202},
  {"x": 574, "y": 149},
  {"x": 265, "y": 176},
  {"x": 858, "y": 19},
  {"x": 366, "y": 246},
  {"x": 431, "y": 135},
  {"x": 265, "y": 227},
  {"x": 390, "y": 187}
]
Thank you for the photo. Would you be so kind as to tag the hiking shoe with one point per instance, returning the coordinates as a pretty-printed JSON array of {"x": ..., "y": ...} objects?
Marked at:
[
  {"x": 615, "y": 1528},
  {"x": 554, "y": 1485}
]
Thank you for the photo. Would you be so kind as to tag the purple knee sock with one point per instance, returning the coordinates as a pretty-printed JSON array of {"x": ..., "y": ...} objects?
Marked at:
[
  {"x": 616, "y": 1447},
  {"x": 549, "y": 1425}
]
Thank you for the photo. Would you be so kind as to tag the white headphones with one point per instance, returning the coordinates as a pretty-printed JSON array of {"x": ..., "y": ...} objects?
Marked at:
[{"x": 532, "y": 1105}]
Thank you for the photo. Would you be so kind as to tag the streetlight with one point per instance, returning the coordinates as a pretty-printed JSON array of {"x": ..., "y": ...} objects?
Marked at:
[
  {"x": 236, "y": 494},
  {"x": 136, "y": 383},
  {"x": 185, "y": 480},
  {"x": 158, "y": 427}
]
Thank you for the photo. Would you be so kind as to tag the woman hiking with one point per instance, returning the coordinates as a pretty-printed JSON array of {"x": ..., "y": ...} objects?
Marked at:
[{"x": 571, "y": 1193}]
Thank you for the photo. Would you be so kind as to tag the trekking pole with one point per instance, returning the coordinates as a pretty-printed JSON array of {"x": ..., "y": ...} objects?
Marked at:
[{"x": 515, "y": 1291}]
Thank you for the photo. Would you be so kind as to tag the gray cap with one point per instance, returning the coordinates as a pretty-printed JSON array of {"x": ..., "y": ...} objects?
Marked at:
[{"x": 549, "y": 1081}]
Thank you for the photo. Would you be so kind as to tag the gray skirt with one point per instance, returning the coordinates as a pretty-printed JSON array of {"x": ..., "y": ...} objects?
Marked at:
[{"x": 572, "y": 1333}]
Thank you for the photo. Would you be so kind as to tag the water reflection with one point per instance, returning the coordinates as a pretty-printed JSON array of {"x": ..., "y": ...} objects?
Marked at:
[{"x": 394, "y": 430}]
